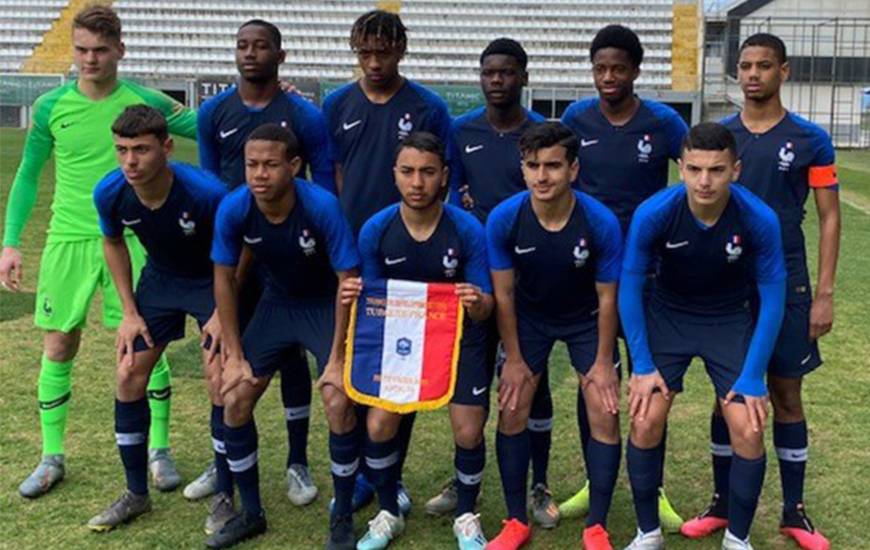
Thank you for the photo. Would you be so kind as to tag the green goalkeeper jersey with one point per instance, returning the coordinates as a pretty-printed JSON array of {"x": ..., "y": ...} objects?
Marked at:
[{"x": 78, "y": 130}]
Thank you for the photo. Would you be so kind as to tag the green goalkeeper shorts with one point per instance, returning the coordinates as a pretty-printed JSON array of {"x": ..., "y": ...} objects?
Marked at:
[{"x": 70, "y": 274}]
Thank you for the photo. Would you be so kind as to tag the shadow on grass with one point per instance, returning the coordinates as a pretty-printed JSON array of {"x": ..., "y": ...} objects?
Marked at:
[{"x": 16, "y": 305}]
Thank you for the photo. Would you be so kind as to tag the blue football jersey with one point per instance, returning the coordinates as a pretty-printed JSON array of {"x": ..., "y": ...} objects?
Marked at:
[
  {"x": 708, "y": 272},
  {"x": 454, "y": 253},
  {"x": 363, "y": 137},
  {"x": 178, "y": 234},
  {"x": 484, "y": 162},
  {"x": 622, "y": 166},
  {"x": 781, "y": 166},
  {"x": 555, "y": 271},
  {"x": 705, "y": 270},
  {"x": 299, "y": 256},
  {"x": 224, "y": 123}
]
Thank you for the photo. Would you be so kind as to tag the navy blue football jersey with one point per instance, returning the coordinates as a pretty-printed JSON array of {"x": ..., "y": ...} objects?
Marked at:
[
  {"x": 224, "y": 123},
  {"x": 454, "y": 253},
  {"x": 705, "y": 270},
  {"x": 555, "y": 271},
  {"x": 299, "y": 256},
  {"x": 484, "y": 162},
  {"x": 781, "y": 166},
  {"x": 363, "y": 137},
  {"x": 178, "y": 234},
  {"x": 622, "y": 166}
]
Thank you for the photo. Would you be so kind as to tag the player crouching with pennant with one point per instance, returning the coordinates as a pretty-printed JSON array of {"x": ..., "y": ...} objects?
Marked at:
[{"x": 417, "y": 338}]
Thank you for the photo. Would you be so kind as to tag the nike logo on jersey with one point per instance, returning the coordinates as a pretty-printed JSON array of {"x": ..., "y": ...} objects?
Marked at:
[
  {"x": 348, "y": 125},
  {"x": 472, "y": 148},
  {"x": 519, "y": 250},
  {"x": 394, "y": 261},
  {"x": 128, "y": 223},
  {"x": 477, "y": 391},
  {"x": 252, "y": 240},
  {"x": 228, "y": 133},
  {"x": 65, "y": 125},
  {"x": 806, "y": 359},
  {"x": 588, "y": 142},
  {"x": 670, "y": 246}
]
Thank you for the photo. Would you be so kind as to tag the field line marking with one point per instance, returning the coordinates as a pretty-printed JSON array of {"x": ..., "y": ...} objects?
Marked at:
[{"x": 854, "y": 204}]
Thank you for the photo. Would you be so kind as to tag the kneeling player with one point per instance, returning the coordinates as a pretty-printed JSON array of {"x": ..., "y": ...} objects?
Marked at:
[
  {"x": 298, "y": 235},
  {"x": 422, "y": 239},
  {"x": 171, "y": 209},
  {"x": 713, "y": 242},
  {"x": 555, "y": 258}
]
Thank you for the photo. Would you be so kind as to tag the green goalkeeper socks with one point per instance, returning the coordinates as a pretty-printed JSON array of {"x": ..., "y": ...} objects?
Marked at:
[
  {"x": 53, "y": 393},
  {"x": 159, "y": 393}
]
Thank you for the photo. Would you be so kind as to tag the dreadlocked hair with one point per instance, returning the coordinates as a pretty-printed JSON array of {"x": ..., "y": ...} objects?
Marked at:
[{"x": 380, "y": 25}]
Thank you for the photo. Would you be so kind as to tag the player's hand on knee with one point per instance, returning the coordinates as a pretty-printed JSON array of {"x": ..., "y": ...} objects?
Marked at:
[
  {"x": 640, "y": 391},
  {"x": 515, "y": 374},
  {"x": 210, "y": 339},
  {"x": 350, "y": 290},
  {"x": 602, "y": 376},
  {"x": 10, "y": 268},
  {"x": 236, "y": 370},
  {"x": 132, "y": 326},
  {"x": 821, "y": 316},
  {"x": 756, "y": 408}
]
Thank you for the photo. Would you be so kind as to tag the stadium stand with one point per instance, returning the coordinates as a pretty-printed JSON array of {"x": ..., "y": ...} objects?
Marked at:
[
  {"x": 23, "y": 23},
  {"x": 183, "y": 39}
]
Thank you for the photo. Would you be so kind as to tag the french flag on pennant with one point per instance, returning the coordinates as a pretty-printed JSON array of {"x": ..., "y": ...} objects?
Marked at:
[{"x": 403, "y": 345}]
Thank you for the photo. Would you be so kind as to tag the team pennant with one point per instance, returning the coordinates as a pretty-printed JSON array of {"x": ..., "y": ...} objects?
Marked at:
[{"x": 403, "y": 345}]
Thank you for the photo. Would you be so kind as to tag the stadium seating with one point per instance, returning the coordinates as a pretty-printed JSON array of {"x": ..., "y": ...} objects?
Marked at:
[
  {"x": 168, "y": 38},
  {"x": 22, "y": 24},
  {"x": 189, "y": 39}
]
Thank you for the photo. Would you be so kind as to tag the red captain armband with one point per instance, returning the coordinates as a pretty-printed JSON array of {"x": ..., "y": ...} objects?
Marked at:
[{"x": 823, "y": 176}]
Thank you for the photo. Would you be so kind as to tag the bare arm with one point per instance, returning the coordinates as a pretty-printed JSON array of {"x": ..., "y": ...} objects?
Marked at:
[
  {"x": 515, "y": 373},
  {"x": 342, "y": 318},
  {"x": 132, "y": 324},
  {"x": 118, "y": 260},
  {"x": 349, "y": 289},
  {"x": 602, "y": 374},
  {"x": 226, "y": 302},
  {"x": 822, "y": 313},
  {"x": 505, "y": 311},
  {"x": 608, "y": 319}
]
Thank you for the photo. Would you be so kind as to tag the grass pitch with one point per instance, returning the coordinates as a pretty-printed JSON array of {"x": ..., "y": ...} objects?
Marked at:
[{"x": 836, "y": 400}]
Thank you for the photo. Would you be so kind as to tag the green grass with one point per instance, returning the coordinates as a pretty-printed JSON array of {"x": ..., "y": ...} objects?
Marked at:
[{"x": 836, "y": 401}]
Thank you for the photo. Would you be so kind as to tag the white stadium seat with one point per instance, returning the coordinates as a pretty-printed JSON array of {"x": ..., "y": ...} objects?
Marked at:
[{"x": 189, "y": 39}]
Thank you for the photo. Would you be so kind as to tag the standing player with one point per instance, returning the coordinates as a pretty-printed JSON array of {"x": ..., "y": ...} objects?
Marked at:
[
  {"x": 74, "y": 122},
  {"x": 625, "y": 147},
  {"x": 485, "y": 170},
  {"x": 421, "y": 239},
  {"x": 783, "y": 156},
  {"x": 714, "y": 243},
  {"x": 366, "y": 120},
  {"x": 171, "y": 209},
  {"x": 540, "y": 243},
  {"x": 297, "y": 308},
  {"x": 224, "y": 123}
]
